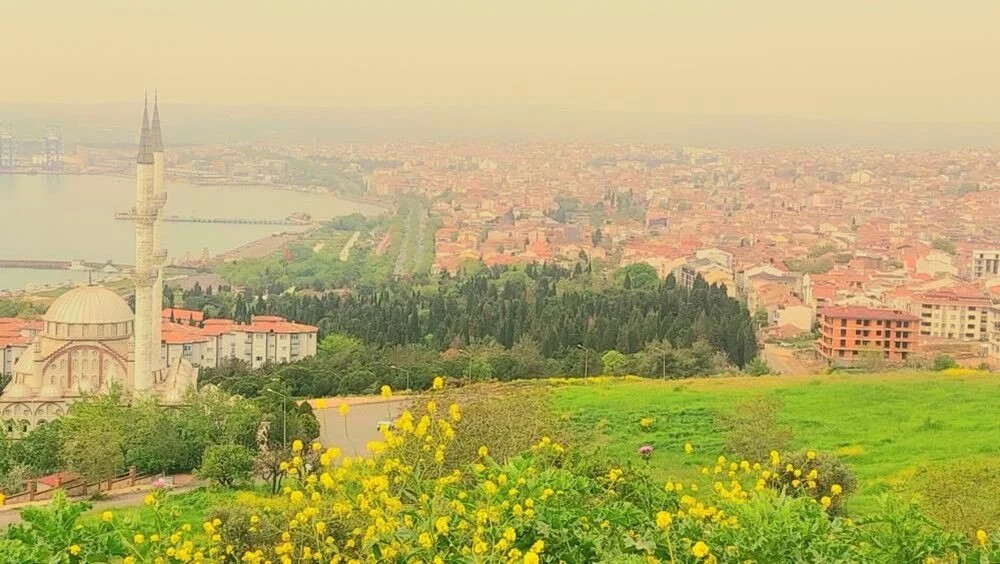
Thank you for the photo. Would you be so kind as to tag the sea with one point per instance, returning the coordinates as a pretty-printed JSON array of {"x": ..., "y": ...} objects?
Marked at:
[{"x": 69, "y": 217}]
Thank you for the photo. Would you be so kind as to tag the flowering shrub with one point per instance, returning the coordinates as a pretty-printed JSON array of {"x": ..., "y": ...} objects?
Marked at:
[{"x": 403, "y": 503}]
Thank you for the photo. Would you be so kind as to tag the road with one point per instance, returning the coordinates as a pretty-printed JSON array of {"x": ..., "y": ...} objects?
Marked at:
[
  {"x": 366, "y": 412},
  {"x": 361, "y": 422},
  {"x": 345, "y": 253},
  {"x": 124, "y": 499}
]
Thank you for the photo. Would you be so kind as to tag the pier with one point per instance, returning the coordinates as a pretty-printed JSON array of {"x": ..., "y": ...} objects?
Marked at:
[
  {"x": 296, "y": 219},
  {"x": 79, "y": 265}
]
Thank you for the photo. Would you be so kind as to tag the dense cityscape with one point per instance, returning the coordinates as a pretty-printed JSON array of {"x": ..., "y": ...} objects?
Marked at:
[{"x": 519, "y": 283}]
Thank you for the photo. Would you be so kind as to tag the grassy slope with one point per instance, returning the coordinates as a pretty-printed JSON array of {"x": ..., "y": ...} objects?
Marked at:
[{"x": 887, "y": 426}]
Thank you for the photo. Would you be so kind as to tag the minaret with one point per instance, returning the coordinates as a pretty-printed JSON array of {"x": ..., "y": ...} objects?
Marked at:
[
  {"x": 159, "y": 253},
  {"x": 145, "y": 272}
]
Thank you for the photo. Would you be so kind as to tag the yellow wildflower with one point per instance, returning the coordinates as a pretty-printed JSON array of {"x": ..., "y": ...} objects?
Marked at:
[
  {"x": 441, "y": 525},
  {"x": 981, "y": 537},
  {"x": 438, "y": 383},
  {"x": 138, "y": 538},
  {"x": 74, "y": 550},
  {"x": 826, "y": 501},
  {"x": 699, "y": 550},
  {"x": 483, "y": 451},
  {"x": 107, "y": 516},
  {"x": 836, "y": 489},
  {"x": 344, "y": 409},
  {"x": 688, "y": 448},
  {"x": 663, "y": 520},
  {"x": 811, "y": 455},
  {"x": 297, "y": 446},
  {"x": 386, "y": 391},
  {"x": 530, "y": 558},
  {"x": 425, "y": 540},
  {"x": 150, "y": 499}
]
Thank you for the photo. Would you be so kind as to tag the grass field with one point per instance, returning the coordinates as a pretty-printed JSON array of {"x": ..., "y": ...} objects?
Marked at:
[{"x": 888, "y": 427}]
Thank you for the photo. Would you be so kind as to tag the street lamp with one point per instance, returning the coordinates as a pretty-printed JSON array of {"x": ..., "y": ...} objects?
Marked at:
[
  {"x": 664, "y": 361},
  {"x": 466, "y": 353},
  {"x": 586, "y": 360},
  {"x": 404, "y": 371},
  {"x": 284, "y": 417}
]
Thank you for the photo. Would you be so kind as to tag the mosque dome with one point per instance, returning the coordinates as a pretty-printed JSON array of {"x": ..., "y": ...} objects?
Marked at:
[
  {"x": 89, "y": 305},
  {"x": 87, "y": 313}
]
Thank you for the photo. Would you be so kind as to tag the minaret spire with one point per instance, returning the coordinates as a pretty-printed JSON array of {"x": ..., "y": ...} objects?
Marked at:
[
  {"x": 157, "y": 139},
  {"x": 145, "y": 143}
]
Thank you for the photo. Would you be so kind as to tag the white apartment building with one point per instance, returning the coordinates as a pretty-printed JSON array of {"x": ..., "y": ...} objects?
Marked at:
[
  {"x": 266, "y": 339},
  {"x": 949, "y": 314},
  {"x": 985, "y": 263}
]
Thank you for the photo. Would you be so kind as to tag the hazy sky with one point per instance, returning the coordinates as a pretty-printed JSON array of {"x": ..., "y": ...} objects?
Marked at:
[{"x": 929, "y": 60}]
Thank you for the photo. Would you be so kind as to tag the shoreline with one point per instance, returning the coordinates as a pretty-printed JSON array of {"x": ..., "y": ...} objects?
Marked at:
[{"x": 379, "y": 206}]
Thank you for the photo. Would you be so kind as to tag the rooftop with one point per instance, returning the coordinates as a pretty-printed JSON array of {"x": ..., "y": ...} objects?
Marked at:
[{"x": 861, "y": 312}]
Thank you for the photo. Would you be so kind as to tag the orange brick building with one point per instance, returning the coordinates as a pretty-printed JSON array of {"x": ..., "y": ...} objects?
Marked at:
[{"x": 848, "y": 333}]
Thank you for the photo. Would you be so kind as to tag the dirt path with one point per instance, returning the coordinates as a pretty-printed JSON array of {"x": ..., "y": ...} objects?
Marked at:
[{"x": 784, "y": 361}]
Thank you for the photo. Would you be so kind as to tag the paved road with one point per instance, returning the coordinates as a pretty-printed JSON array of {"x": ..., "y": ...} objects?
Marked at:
[
  {"x": 361, "y": 423},
  {"x": 12, "y": 516},
  {"x": 361, "y": 427}
]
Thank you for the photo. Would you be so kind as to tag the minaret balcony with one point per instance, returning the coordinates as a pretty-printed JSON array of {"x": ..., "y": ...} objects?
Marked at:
[
  {"x": 144, "y": 279},
  {"x": 157, "y": 201}
]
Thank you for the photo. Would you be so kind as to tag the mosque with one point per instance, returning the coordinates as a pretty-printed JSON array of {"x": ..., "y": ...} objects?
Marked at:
[{"x": 89, "y": 339}]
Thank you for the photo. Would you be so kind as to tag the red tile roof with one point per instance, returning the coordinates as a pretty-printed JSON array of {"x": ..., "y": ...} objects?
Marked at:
[
  {"x": 182, "y": 314},
  {"x": 861, "y": 312},
  {"x": 274, "y": 324}
]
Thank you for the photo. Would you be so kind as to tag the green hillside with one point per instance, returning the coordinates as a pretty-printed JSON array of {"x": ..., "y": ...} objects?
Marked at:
[{"x": 890, "y": 428}]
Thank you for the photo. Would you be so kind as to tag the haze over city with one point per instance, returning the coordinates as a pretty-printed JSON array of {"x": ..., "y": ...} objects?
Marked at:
[
  {"x": 773, "y": 72},
  {"x": 509, "y": 282}
]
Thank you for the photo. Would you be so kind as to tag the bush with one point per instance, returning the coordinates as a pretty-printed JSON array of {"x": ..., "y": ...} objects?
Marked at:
[
  {"x": 226, "y": 465},
  {"x": 944, "y": 362},
  {"x": 758, "y": 367},
  {"x": 829, "y": 471},
  {"x": 15, "y": 480},
  {"x": 752, "y": 430}
]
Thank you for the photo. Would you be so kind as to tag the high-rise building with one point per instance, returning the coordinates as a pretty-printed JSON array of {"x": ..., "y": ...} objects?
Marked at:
[
  {"x": 52, "y": 149},
  {"x": 8, "y": 151}
]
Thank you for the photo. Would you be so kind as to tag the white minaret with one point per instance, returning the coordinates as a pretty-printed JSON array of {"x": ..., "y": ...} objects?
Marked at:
[
  {"x": 145, "y": 272},
  {"x": 159, "y": 253}
]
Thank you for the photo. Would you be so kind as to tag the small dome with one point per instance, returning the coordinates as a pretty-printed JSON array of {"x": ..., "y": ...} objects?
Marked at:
[{"x": 91, "y": 305}]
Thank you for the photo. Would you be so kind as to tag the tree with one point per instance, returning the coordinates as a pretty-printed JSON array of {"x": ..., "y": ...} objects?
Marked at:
[
  {"x": 227, "y": 465},
  {"x": 38, "y": 450},
  {"x": 640, "y": 275},
  {"x": 944, "y": 362},
  {"x": 945, "y": 245},
  {"x": 93, "y": 437},
  {"x": 597, "y": 237},
  {"x": 615, "y": 363},
  {"x": 153, "y": 442}
]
